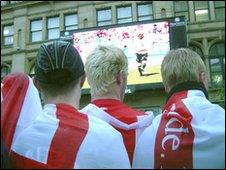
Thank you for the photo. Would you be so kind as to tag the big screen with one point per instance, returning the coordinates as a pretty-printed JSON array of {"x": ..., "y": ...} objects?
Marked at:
[{"x": 145, "y": 46}]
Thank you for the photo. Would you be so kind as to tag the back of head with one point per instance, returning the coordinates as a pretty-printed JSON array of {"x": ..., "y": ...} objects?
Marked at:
[
  {"x": 58, "y": 67},
  {"x": 181, "y": 65},
  {"x": 102, "y": 67}
]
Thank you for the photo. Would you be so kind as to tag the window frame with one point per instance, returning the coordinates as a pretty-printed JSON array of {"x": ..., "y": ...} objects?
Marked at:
[
  {"x": 222, "y": 73},
  {"x": 8, "y": 67},
  {"x": 208, "y": 8},
  {"x": 124, "y": 6},
  {"x": 48, "y": 29},
  {"x": 76, "y": 24},
  {"x": 103, "y": 21},
  {"x": 221, "y": 58},
  {"x": 152, "y": 14},
  {"x": 218, "y": 8},
  {"x": 6, "y": 36},
  {"x": 39, "y": 19},
  {"x": 176, "y": 12}
]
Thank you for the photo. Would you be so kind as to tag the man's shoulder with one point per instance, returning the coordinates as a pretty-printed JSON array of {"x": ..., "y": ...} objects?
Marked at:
[
  {"x": 117, "y": 108},
  {"x": 202, "y": 104},
  {"x": 101, "y": 127},
  {"x": 39, "y": 127},
  {"x": 132, "y": 111}
]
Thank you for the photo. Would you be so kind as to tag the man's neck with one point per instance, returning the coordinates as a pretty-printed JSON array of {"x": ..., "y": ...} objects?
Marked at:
[
  {"x": 105, "y": 96},
  {"x": 63, "y": 99}
]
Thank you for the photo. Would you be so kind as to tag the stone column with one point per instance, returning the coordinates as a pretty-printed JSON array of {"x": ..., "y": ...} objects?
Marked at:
[
  {"x": 134, "y": 11},
  {"x": 191, "y": 11},
  {"x": 20, "y": 28},
  {"x": 44, "y": 28},
  {"x": 61, "y": 21},
  {"x": 206, "y": 57},
  {"x": 83, "y": 14},
  {"x": 114, "y": 14},
  {"x": 211, "y": 10},
  {"x": 20, "y": 63}
]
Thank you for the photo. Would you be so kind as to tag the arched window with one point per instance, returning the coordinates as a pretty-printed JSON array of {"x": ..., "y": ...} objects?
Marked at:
[
  {"x": 31, "y": 74},
  {"x": 5, "y": 69},
  {"x": 85, "y": 23},
  {"x": 32, "y": 71},
  {"x": 217, "y": 64},
  {"x": 163, "y": 13},
  {"x": 197, "y": 50}
]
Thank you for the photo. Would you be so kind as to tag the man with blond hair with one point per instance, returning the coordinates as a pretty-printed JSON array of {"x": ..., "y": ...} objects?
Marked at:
[
  {"x": 190, "y": 133},
  {"x": 107, "y": 70}
]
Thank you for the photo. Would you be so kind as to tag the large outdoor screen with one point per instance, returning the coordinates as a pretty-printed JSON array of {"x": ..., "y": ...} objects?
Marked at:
[{"x": 144, "y": 44}]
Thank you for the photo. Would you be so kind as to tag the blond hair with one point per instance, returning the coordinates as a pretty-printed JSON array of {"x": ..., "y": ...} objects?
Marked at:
[
  {"x": 102, "y": 67},
  {"x": 181, "y": 65}
]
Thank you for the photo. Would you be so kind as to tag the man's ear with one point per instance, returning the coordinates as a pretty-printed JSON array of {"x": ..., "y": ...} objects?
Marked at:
[
  {"x": 119, "y": 78},
  {"x": 166, "y": 89},
  {"x": 1, "y": 92},
  {"x": 36, "y": 84},
  {"x": 203, "y": 79},
  {"x": 83, "y": 78}
]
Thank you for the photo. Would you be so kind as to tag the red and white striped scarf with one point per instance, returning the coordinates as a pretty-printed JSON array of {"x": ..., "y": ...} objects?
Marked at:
[
  {"x": 61, "y": 137},
  {"x": 190, "y": 133},
  {"x": 20, "y": 105},
  {"x": 129, "y": 122}
]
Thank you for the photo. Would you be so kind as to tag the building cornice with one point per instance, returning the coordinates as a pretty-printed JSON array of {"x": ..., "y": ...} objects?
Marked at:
[{"x": 21, "y": 4}]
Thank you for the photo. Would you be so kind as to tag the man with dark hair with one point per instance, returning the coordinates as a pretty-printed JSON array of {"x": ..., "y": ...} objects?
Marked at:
[{"x": 62, "y": 137}]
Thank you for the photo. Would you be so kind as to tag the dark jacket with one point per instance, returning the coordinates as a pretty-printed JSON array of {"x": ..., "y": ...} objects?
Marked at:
[{"x": 5, "y": 161}]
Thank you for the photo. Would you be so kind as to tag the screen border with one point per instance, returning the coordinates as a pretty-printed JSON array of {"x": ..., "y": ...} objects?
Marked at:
[{"x": 136, "y": 87}]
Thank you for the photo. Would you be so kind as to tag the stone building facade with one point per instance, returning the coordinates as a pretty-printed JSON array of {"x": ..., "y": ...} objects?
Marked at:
[{"x": 27, "y": 24}]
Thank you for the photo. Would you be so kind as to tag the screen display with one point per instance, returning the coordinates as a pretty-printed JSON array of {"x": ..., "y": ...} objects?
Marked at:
[{"x": 145, "y": 46}]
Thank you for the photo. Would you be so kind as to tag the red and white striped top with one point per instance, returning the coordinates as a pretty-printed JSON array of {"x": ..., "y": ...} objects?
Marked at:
[
  {"x": 129, "y": 122},
  {"x": 20, "y": 105},
  {"x": 190, "y": 133},
  {"x": 62, "y": 137}
]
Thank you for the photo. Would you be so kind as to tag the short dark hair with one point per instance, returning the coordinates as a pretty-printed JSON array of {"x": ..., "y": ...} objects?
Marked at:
[
  {"x": 57, "y": 89},
  {"x": 58, "y": 67}
]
